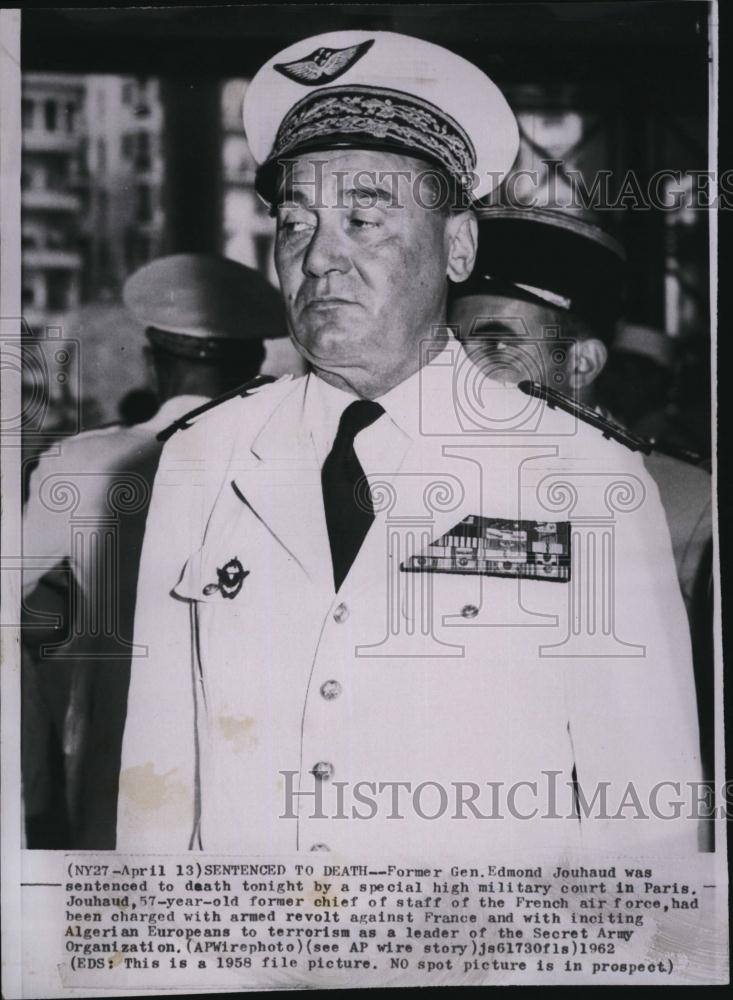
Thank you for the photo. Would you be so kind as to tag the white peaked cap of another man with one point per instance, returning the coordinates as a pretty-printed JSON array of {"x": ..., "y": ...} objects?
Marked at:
[
  {"x": 380, "y": 90},
  {"x": 205, "y": 296}
]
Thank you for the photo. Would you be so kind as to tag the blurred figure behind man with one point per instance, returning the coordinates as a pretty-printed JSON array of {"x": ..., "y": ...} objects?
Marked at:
[
  {"x": 543, "y": 304},
  {"x": 206, "y": 319},
  {"x": 636, "y": 381}
]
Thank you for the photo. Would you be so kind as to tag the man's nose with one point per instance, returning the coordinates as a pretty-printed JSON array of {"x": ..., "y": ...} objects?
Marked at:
[{"x": 326, "y": 252}]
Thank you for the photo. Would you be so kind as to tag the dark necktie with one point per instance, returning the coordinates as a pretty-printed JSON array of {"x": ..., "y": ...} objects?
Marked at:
[{"x": 346, "y": 497}]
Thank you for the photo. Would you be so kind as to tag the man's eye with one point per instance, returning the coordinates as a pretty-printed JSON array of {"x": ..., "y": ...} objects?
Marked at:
[
  {"x": 494, "y": 341},
  {"x": 295, "y": 225},
  {"x": 360, "y": 222}
]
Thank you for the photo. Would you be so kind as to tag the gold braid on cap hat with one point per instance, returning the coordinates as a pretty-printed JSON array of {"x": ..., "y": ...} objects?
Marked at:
[{"x": 380, "y": 118}]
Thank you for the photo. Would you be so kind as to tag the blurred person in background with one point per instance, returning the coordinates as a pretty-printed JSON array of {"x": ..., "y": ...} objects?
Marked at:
[
  {"x": 659, "y": 387},
  {"x": 637, "y": 379},
  {"x": 543, "y": 305},
  {"x": 690, "y": 426},
  {"x": 642, "y": 360},
  {"x": 206, "y": 319}
]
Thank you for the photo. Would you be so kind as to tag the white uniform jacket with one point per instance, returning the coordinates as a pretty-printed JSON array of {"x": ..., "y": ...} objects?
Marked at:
[
  {"x": 69, "y": 494},
  {"x": 486, "y": 695}
]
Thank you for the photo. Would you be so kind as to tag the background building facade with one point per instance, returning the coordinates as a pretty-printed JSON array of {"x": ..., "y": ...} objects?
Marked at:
[{"x": 53, "y": 165}]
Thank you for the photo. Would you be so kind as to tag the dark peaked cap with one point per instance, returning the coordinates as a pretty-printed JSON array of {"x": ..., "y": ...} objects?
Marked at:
[
  {"x": 524, "y": 252},
  {"x": 207, "y": 297}
]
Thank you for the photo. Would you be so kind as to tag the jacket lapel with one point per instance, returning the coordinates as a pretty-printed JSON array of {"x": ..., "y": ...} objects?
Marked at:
[{"x": 276, "y": 474}]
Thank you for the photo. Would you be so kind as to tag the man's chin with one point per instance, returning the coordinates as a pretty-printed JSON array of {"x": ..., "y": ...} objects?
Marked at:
[{"x": 329, "y": 344}]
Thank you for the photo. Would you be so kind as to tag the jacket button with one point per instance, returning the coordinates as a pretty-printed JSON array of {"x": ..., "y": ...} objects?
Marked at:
[
  {"x": 330, "y": 690},
  {"x": 322, "y": 771},
  {"x": 320, "y": 847},
  {"x": 469, "y": 610},
  {"x": 341, "y": 613}
]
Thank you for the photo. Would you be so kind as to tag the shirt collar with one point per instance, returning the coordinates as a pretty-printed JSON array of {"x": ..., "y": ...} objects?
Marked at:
[{"x": 324, "y": 404}]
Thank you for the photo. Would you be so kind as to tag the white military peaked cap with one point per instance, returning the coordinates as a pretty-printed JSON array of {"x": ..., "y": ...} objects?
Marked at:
[
  {"x": 380, "y": 90},
  {"x": 205, "y": 296}
]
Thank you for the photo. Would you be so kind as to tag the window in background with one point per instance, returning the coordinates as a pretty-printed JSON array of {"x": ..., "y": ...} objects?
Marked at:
[
  {"x": 143, "y": 204},
  {"x": 57, "y": 291},
  {"x": 50, "y": 109},
  {"x": 27, "y": 113},
  {"x": 142, "y": 158},
  {"x": 55, "y": 239}
]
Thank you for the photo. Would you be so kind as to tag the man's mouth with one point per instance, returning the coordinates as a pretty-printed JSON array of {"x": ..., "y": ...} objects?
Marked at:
[{"x": 328, "y": 302}]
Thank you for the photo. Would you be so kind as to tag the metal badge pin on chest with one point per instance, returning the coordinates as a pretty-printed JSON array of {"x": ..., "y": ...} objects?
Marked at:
[{"x": 231, "y": 577}]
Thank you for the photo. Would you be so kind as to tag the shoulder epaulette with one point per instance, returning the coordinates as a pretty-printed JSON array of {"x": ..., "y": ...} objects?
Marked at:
[
  {"x": 184, "y": 422},
  {"x": 609, "y": 428}
]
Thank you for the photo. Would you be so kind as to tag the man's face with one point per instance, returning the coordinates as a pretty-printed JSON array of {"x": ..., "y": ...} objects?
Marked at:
[
  {"x": 512, "y": 340},
  {"x": 362, "y": 264}
]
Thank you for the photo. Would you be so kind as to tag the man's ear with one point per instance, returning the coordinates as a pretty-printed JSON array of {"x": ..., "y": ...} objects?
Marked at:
[
  {"x": 462, "y": 234},
  {"x": 589, "y": 360}
]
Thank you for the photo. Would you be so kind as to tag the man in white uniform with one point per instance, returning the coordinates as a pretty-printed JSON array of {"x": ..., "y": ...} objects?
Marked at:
[
  {"x": 394, "y": 607},
  {"x": 205, "y": 319}
]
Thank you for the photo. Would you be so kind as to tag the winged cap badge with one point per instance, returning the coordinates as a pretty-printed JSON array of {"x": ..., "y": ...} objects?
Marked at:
[{"x": 323, "y": 65}]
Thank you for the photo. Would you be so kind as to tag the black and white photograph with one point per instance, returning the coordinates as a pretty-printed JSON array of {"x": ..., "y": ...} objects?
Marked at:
[{"x": 360, "y": 565}]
